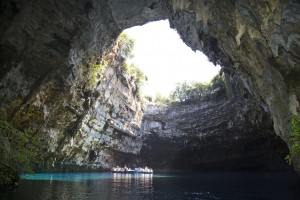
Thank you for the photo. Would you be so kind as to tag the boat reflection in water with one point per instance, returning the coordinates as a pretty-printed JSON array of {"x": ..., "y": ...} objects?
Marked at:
[
  {"x": 126, "y": 170},
  {"x": 129, "y": 185}
]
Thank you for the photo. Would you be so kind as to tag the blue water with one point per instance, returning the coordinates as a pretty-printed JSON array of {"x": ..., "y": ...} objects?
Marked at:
[{"x": 206, "y": 185}]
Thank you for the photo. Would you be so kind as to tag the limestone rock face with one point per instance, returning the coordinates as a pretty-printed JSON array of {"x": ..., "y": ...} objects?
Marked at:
[
  {"x": 107, "y": 133},
  {"x": 47, "y": 50},
  {"x": 92, "y": 126},
  {"x": 219, "y": 134}
]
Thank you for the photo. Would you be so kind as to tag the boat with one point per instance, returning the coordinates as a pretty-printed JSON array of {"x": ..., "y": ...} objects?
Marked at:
[
  {"x": 145, "y": 170},
  {"x": 125, "y": 170}
]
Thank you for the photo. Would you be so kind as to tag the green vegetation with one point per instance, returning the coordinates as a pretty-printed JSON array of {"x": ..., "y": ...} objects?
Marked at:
[
  {"x": 18, "y": 152},
  {"x": 97, "y": 68},
  {"x": 125, "y": 46},
  {"x": 122, "y": 51},
  {"x": 136, "y": 73},
  {"x": 160, "y": 99},
  {"x": 149, "y": 98},
  {"x": 288, "y": 159},
  {"x": 295, "y": 139},
  {"x": 197, "y": 91},
  {"x": 194, "y": 91},
  {"x": 295, "y": 136}
]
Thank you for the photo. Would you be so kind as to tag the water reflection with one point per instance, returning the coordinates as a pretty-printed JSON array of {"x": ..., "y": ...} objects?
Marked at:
[
  {"x": 85, "y": 186},
  {"x": 50, "y": 190},
  {"x": 131, "y": 186}
]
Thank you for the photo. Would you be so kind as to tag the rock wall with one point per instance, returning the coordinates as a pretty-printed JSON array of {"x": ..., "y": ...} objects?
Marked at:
[
  {"x": 106, "y": 134},
  {"x": 50, "y": 51},
  {"x": 256, "y": 42},
  {"x": 47, "y": 50},
  {"x": 224, "y": 134}
]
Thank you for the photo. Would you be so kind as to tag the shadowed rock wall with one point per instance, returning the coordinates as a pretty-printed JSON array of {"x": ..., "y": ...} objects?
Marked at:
[{"x": 222, "y": 134}]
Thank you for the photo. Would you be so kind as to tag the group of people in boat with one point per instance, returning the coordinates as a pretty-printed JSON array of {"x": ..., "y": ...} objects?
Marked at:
[{"x": 135, "y": 170}]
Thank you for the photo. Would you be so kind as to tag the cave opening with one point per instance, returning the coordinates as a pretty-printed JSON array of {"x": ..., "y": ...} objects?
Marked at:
[
  {"x": 215, "y": 139},
  {"x": 87, "y": 112},
  {"x": 166, "y": 60}
]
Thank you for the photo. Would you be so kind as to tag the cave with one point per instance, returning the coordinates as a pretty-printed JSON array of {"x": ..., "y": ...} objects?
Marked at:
[{"x": 49, "y": 51}]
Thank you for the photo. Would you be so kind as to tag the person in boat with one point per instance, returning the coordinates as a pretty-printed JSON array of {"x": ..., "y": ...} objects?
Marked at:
[{"x": 117, "y": 169}]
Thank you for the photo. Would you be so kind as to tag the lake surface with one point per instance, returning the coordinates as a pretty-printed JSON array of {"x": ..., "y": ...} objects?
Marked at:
[{"x": 206, "y": 185}]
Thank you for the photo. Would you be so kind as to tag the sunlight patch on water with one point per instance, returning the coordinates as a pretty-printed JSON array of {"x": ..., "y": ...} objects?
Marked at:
[{"x": 66, "y": 176}]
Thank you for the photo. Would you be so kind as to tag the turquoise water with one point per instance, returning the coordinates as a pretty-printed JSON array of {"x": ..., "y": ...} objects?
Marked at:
[{"x": 208, "y": 185}]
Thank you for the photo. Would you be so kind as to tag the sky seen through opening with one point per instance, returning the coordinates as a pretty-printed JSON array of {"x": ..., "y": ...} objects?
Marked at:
[{"x": 163, "y": 57}]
